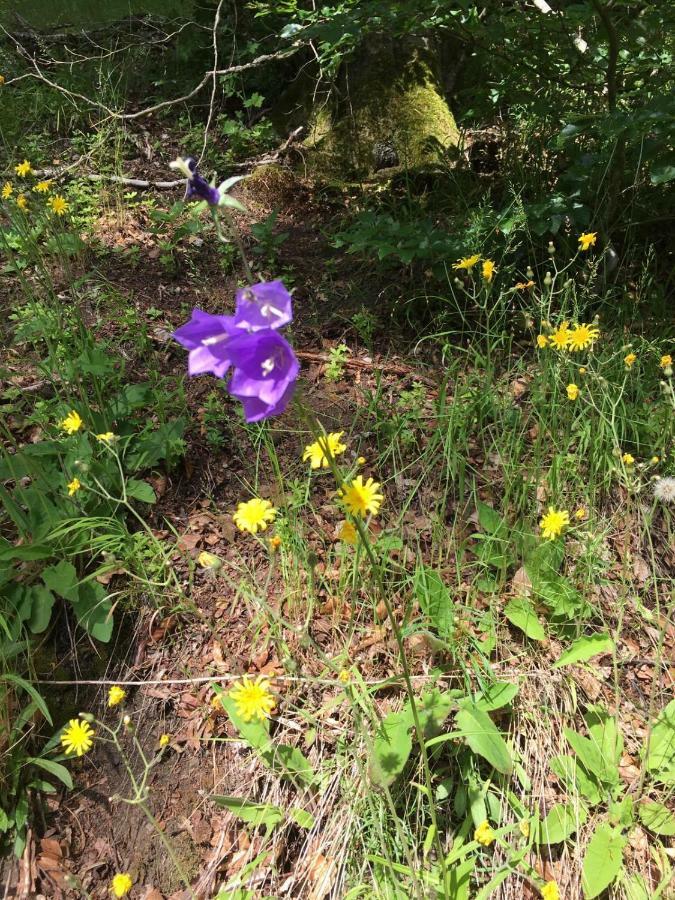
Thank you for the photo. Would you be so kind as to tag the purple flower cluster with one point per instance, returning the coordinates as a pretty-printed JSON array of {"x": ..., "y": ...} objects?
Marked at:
[
  {"x": 264, "y": 366},
  {"x": 197, "y": 185}
]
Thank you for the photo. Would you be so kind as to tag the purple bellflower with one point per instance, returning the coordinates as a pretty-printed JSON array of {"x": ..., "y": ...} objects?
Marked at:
[
  {"x": 197, "y": 185},
  {"x": 264, "y": 366}
]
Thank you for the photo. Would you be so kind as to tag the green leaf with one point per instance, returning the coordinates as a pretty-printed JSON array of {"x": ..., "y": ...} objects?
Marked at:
[
  {"x": 140, "y": 490},
  {"x": 522, "y": 614},
  {"x": 42, "y": 601},
  {"x": 496, "y": 695},
  {"x": 481, "y": 734},
  {"x": 585, "y": 648},
  {"x": 94, "y": 611},
  {"x": 301, "y": 817},
  {"x": 62, "y": 579},
  {"x": 657, "y": 818},
  {"x": 433, "y": 709},
  {"x": 592, "y": 757},
  {"x": 575, "y": 778},
  {"x": 490, "y": 520},
  {"x": 29, "y": 689},
  {"x": 391, "y": 748},
  {"x": 54, "y": 768},
  {"x": 255, "y": 733},
  {"x": 662, "y": 174},
  {"x": 255, "y": 814},
  {"x": 290, "y": 762},
  {"x": 26, "y": 552},
  {"x": 561, "y": 822},
  {"x": 661, "y": 755},
  {"x": 434, "y": 599},
  {"x": 603, "y": 860}
]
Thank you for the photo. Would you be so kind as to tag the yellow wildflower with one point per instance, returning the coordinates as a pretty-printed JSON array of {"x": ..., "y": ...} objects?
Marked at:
[
  {"x": 524, "y": 827},
  {"x": 121, "y": 884},
  {"x": 666, "y": 361},
  {"x": 22, "y": 202},
  {"x": 580, "y": 514},
  {"x": 253, "y": 699},
  {"x": 106, "y": 436},
  {"x": 58, "y": 204},
  {"x": 275, "y": 542},
  {"x": 655, "y": 460},
  {"x": 74, "y": 486},
  {"x": 524, "y": 285},
  {"x": 627, "y": 459},
  {"x": 344, "y": 676},
  {"x": 582, "y": 336},
  {"x": 72, "y": 422},
  {"x": 115, "y": 695},
  {"x": 587, "y": 240},
  {"x": 572, "y": 392},
  {"x": 347, "y": 533},
  {"x": 361, "y": 498},
  {"x": 164, "y": 741},
  {"x": 77, "y": 737},
  {"x": 2, "y": 80},
  {"x": 550, "y": 891},
  {"x": 23, "y": 169},
  {"x": 560, "y": 336},
  {"x": 43, "y": 187},
  {"x": 582, "y": 370},
  {"x": 254, "y": 515},
  {"x": 361, "y": 460},
  {"x": 542, "y": 341},
  {"x": 7, "y": 190},
  {"x": 467, "y": 262},
  {"x": 488, "y": 270},
  {"x": 484, "y": 834},
  {"x": 209, "y": 561},
  {"x": 553, "y": 523},
  {"x": 629, "y": 359},
  {"x": 317, "y": 453}
]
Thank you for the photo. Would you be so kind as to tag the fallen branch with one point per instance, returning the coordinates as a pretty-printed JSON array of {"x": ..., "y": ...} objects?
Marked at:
[{"x": 390, "y": 368}]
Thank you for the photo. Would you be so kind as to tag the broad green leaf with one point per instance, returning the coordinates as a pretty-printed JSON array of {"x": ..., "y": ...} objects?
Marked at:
[
  {"x": 26, "y": 552},
  {"x": 544, "y": 562},
  {"x": 62, "y": 579},
  {"x": 255, "y": 814},
  {"x": 635, "y": 887},
  {"x": 29, "y": 689},
  {"x": 522, "y": 614},
  {"x": 140, "y": 490},
  {"x": 561, "y": 822},
  {"x": 585, "y": 648},
  {"x": 289, "y": 761},
  {"x": 434, "y": 599},
  {"x": 603, "y": 860},
  {"x": 662, "y": 174},
  {"x": 657, "y": 818},
  {"x": 391, "y": 748},
  {"x": 42, "y": 601},
  {"x": 301, "y": 817},
  {"x": 54, "y": 768},
  {"x": 592, "y": 757},
  {"x": 489, "y": 519},
  {"x": 603, "y": 730},
  {"x": 433, "y": 708},
  {"x": 255, "y": 733},
  {"x": 94, "y": 611},
  {"x": 496, "y": 695},
  {"x": 482, "y": 735},
  {"x": 575, "y": 777},
  {"x": 661, "y": 755}
]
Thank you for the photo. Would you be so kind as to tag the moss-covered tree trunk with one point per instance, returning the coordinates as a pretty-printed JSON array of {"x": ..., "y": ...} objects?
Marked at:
[{"x": 387, "y": 109}]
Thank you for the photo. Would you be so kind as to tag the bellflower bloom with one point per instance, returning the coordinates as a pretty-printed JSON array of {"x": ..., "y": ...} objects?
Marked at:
[
  {"x": 197, "y": 185},
  {"x": 264, "y": 366}
]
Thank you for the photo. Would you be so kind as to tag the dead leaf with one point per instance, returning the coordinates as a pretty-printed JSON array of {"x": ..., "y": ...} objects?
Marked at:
[{"x": 322, "y": 873}]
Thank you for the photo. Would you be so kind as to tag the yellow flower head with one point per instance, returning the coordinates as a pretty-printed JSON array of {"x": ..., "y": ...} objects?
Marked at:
[
  {"x": 361, "y": 498},
  {"x": 524, "y": 285},
  {"x": 484, "y": 834},
  {"x": 580, "y": 514},
  {"x": 582, "y": 370},
  {"x": 2, "y": 80},
  {"x": 572, "y": 392},
  {"x": 74, "y": 486},
  {"x": 654, "y": 460},
  {"x": 253, "y": 699},
  {"x": 22, "y": 202},
  {"x": 560, "y": 336},
  {"x": 629, "y": 359},
  {"x": 317, "y": 453},
  {"x": 347, "y": 533},
  {"x": 524, "y": 827},
  {"x": 627, "y": 459},
  {"x": 275, "y": 542},
  {"x": 71, "y": 423},
  {"x": 106, "y": 436},
  {"x": 58, "y": 204},
  {"x": 587, "y": 240},
  {"x": 77, "y": 737},
  {"x": 344, "y": 676},
  {"x": 553, "y": 523},
  {"x": 254, "y": 515},
  {"x": 550, "y": 891},
  {"x": 43, "y": 187},
  {"x": 121, "y": 884},
  {"x": 542, "y": 341},
  {"x": 666, "y": 361},
  {"x": 23, "y": 169},
  {"x": 582, "y": 336},
  {"x": 164, "y": 741},
  {"x": 116, "y": 695},
  {"x": 467, "y": 262},
  {"x": 488, "y": 270},
  {"x": 361, "y": 460},
  {"x": 7, "y": 190},
  {"x": 209, "y": 560}
]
